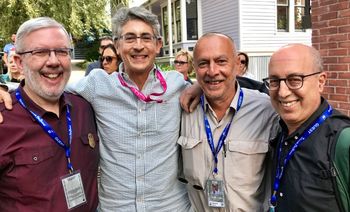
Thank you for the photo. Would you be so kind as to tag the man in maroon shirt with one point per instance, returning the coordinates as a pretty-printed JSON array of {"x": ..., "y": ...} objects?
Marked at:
[{"x": 48, "y": 144}]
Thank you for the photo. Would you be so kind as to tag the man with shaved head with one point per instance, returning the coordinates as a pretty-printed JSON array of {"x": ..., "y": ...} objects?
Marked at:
[
  {"x": 311, "y": 161},
  {"x": 225, "y": 140}
]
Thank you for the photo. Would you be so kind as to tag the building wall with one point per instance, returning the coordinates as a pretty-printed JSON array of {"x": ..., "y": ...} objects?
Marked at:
[
  {"x": 331, "y": 36},
  {"x": 221, "y": 17},
  {"x": 252, "y": 24},
  {"x": 259, "y": 28}
]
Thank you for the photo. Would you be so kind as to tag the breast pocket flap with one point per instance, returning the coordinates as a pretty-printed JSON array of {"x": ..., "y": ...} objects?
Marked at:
[
  {"x": 187, "y": 142},
  {"x": 248, "y": 147}
]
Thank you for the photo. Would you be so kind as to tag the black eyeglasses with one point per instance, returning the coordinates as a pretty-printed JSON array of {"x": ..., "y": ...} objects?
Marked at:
[
  {"x": 44, "y": 53},
  {"x": 132, "y": 38},
  {"x": 243, "y": 62},
  {"x": 179, "y": 62},
  {"x": 109, "y": 59},
  {"x": 293, "y": 82}
]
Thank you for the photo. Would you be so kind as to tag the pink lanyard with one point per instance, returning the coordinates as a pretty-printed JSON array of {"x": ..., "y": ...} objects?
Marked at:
[{"x": 140, "y": 95}]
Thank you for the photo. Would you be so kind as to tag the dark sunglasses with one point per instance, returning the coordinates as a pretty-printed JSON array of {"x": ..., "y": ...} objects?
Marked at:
[
  {"x": 178, "y": 62},
  {"x": 243, "y": 62},
  {"x": 109, "y": 59}
]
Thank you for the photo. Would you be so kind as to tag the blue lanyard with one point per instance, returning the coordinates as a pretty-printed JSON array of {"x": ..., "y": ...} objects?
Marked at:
[
  {"x": 224, "y": 132},
  {"x": 48, "y": 129},
  {"x": 281, "y": 169}
]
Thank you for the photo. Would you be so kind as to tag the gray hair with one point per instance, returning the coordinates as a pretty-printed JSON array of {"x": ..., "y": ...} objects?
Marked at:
[
  {"x": 317, "y": 59},
  {"x": 33, "y": 25},
  {"x": 125, "y": 14}
]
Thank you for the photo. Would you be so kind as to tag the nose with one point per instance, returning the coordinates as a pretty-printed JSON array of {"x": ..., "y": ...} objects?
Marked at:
[
  {"x": 53, "y": 60},
  {"x": 283, "y": 90},
  {"x": 212, "y": 69},
  {"x": 104, "y": 62},
  {"x": 138, "y": 44}
]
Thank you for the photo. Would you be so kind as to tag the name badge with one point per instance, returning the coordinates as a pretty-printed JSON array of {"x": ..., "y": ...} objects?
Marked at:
[
  {"x": 216, "y": 194},
  {"x": 73, "y": 190}
]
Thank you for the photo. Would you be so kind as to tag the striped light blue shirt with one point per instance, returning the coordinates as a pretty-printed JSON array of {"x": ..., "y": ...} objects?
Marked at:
[{"x": 138, "y": 148}]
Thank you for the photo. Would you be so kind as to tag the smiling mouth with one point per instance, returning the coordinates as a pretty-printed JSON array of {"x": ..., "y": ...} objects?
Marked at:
[
  {"x": 288, "y": 104},
  {"x": 52, "y": 76},
  {"x": 213, "y": 82},
  {"x": 139, "y": 56}
]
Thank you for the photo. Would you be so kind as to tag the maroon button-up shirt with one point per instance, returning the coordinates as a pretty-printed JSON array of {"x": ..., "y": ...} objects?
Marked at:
[{"x": 32, "y": 163}]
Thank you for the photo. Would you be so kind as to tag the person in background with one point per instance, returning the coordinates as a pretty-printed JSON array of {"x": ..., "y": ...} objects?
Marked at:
[
  {"x": 15, "y": 75},
  {"x": 184, "y": 64},
  {"x": 243, "y": 66},
  {"x": 49, "y": 149},
  {"x": 8, "y": 47},
  {"x": 104, "y": 41},
  {"x": 225, "y": 140},
  {"x": 246, "y": 79},
  {"x": 306, "y": 176},
  {"x": 109, "y": 59}
]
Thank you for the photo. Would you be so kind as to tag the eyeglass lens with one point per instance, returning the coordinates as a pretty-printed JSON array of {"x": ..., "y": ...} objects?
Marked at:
[
  {"x": 107, "y": 58},
  {"x": 178, "y": 62}
]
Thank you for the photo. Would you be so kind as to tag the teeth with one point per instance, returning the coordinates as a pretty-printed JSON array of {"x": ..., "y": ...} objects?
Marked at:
[
  {"x": 51, "y": 76},
  {"x": 138, "y": 56},
  {"x": 213, "y": 81},
  {"x": 288, "y": 104}
]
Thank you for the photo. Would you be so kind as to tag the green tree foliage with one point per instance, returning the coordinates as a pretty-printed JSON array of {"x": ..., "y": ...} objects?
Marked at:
[{"x": 80, "y": 17}]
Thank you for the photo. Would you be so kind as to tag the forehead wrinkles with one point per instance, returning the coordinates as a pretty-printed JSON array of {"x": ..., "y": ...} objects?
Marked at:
[{"x": 214, "y": 45}]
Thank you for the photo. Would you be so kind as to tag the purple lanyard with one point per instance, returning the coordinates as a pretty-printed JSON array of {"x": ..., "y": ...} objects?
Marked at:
[
  {"x": 281, "y": 169},
  {"x": 224, "y": 133},
  {"x": 48, "y": 129},
  {"x": 140, "y": 95}
]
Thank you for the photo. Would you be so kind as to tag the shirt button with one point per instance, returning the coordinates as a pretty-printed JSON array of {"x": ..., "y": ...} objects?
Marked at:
[
  {"x": 35, "y": 158},
  {"x": 295, "y": 137},
  {"x": 281, "y": 194},
  {"x": 285, "y": 143}
]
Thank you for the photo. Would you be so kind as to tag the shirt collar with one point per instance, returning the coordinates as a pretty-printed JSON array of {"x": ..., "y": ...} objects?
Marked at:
[
  {"x": 31, "y": 105},
  {"x": 151, "y": 74}
]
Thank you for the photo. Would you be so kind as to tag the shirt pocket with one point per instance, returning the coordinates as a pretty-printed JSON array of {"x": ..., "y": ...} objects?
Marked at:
[
  {"x": 248, "y": 157},
  {"x": 34, "y": 170},
  {"x": 195, "y": 163}
]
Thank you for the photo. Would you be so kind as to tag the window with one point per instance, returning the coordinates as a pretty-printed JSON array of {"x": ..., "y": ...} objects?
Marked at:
[
  {"x": 178, "y": 20},
  {"x": 299, "y": 12},
  {"x": 165, "y": 25},
  {"x": 282, "y": 15},
  {"x": 192, "y": 25},
  {"x": 191, "y": 19},
  {"x": 287, "y": 7},
  {"x": 176, "y": 26}
]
